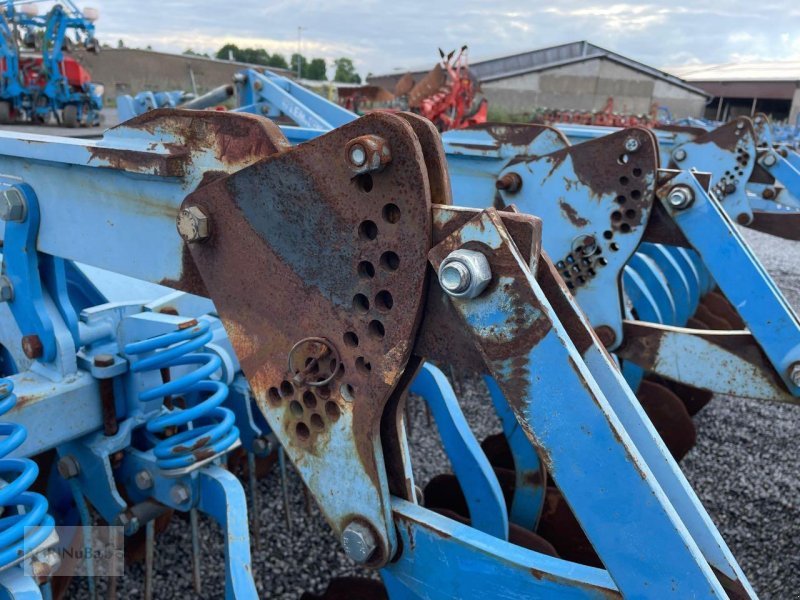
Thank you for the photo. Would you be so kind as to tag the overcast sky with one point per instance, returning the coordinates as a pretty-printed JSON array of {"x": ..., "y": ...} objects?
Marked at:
[{"x": 381, "y": 36}]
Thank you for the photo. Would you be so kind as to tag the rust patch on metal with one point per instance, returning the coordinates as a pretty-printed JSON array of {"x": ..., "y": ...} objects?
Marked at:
[
  {"x": 433, "y": 152},
  {"x": 570, "y": 213},
  {"x": 299, "y": 248},
  {"x": 518, "y": 134}
]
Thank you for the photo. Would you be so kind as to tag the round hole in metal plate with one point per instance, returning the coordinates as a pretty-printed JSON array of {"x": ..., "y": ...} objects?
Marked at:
[
  {"x": 391, "y": 213},
  {"x": 286, "y": 389},
  {"x": 332, "y": 410},
  {"x": 348, "y": 392},
  {"x": 309, "y": 399},
  {"x": 376, "y": 329},
  {"x": 296, "y": 408},
  {"x": 367, "y": 230},
  {"x": 384, "y": 301},
  {"x": 360, "y": 303},
  {"x": 366, "y": 269},
  {"x": 363, "y": 366},
  {"x": 350, "y": 339},
  {"x": 390, "y": 261},
  {"x": 302, "y": 431},
  {"x": 317, "y": 422},
  {"x": 274, "y": 396}
]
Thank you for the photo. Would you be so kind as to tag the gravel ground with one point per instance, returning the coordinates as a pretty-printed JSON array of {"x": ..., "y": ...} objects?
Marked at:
[{"x": 743, "y": 468}]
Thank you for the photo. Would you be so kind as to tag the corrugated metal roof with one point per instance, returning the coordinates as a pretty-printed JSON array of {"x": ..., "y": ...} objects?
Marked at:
[
  {"x": 787, "y": 70},
  {"x": 521, "y": 63}
]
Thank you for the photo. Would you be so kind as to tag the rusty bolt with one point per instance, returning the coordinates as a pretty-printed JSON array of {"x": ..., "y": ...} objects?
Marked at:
[
  {"x": 257, "y": 84},
  {"x": 68, "y": 467},
  {"x": 193, "y": 224},
  {"x": 769, "y": 160},
  {"x": 103, "y": 360},
  {"x": 368, "y": 153},
  {"x": 179, "y": 493},
  {"x": 631, "y": 144},
  {"x": 680, "y": 197},
  {"x": 12, "y": 205},
  {"x": 143, "y": 480},
  {"x": 510, "y": 182},
  {"x": 743, "y": 219},
  {"x": 679, "y": 155},
  {"x": 32, "y": 346},
  {"x": 730, "y": 188},
  {"x": 6, "y": 289},
  {"x": 359, "y": 542},
  {"x": 768, "y": 193},
  {"x": 794, "y": 373},
  {"x": 606, "y": 335},
  {"x": 465, "y": 273},
  {"x": 45, "y": 563}
]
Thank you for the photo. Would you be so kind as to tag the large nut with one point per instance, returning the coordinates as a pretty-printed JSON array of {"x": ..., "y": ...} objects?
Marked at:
[
  {"x": 193, "y": 225},
  {"x": 12, "y": 205},
  {"x": 143, "y": 480},
  {"x": 680, "y": 197},
  {"x": 179, "y": 493},
  {"x": 68, "y": 467},
  {"x": 359, "y": 542},
  {"x": 368, "y": 153},
  {"x": 794, "y": 373},
  {"x": 679, "y": 155},
  {"x": 631, "y": 144},
  {"x": 464, "y": 274}
]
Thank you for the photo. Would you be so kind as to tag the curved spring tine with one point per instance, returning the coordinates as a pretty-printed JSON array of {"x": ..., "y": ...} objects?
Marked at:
[
  {"x": 690, "y": 273},
  {"x": 639, "y": 294},
  {"x": 487, "y": 507},
  {"x": 676, "y": 280},
  {"x": 656, "y": 283},
  {"x": 529, "y": 471}
]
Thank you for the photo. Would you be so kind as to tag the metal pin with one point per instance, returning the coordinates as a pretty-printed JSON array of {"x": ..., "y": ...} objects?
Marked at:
[
  {"x": 195, "y": 551},
  {"x": 86, "y": 529},
  {"x": 254, "y": 505},
  {"x": 149, "y": 549},
  {"x": 284, "y": 487}
]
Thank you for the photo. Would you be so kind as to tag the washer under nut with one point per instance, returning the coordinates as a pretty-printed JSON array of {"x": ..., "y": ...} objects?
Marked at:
[{"x": 464, "y": 274}]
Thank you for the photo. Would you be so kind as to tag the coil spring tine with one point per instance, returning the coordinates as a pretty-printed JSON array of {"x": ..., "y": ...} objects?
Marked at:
[
  {"x": 284, "y": 488},
  {"x": 195, "y": 551},
  {"x": 254, "y": 504},
  {"x": 196, "y": 441},
  {"x": 27, "y": 524},
  {"x": 149, "y": 551}
]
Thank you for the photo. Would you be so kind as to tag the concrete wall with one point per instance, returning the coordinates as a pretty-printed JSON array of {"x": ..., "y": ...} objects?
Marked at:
[
  {"x": 129, "y": 71},
  {"x": 586, "y": 86}
]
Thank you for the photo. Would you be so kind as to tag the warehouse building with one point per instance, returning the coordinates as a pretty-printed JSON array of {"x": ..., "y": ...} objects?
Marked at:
[
  {"x": 577, "y": 76},
  {"x": 747, "y": 88}
]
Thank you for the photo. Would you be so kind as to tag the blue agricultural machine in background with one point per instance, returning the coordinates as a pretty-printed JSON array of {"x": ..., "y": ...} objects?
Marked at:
[
  {"x": 39, "y": 79},
  {"x": 198, "y": 285}
]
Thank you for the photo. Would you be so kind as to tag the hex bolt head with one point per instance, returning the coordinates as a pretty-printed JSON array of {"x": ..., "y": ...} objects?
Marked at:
[
  {"x": 130, "y": 523},
  {"x": 769, "y": 160},
  {"x": 179, "y": 493},
  {"x": 193, "y": 225},
  {"x": 631, "y": 144},
  {"x": 6, "y": 289},
  {"x": 103, "y": 360},
  {"x": 13, "y": 208},
  {"x": 68, "y": 467},
  {"x": 45, "y": 563},
  {"x": 367, "y": 154},
  {"x": 32, "y": 346},
  {"x": 261, "y": 446},
  {"x": 464, "y": 274},
  {"x": 794, "y": 373},
  {"x": 143, "y": 480},
  {"x": 679, "y": 155},
  {"x": 680, "y": 197},
  {"x": 358, "y": 156},
  {"x": 510, "y": 183},
  {"x": 359, "y": 542}
]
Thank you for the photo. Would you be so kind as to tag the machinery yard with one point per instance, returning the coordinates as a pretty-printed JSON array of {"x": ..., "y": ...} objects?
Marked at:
[{"x": 440, "y": 314}]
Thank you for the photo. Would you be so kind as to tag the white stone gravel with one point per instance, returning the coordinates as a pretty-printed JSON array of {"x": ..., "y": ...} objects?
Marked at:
[{"x": 744, "y": 469}]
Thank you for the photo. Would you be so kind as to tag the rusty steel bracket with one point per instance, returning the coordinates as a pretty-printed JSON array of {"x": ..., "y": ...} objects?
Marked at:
[
  {"x": 729, "y": 152},
  {"x": 337, "y": 257},
  {"x": 595, "y": 199},
  {"x": 567, "y": 418},
  {"x": 723, "y": 362}
]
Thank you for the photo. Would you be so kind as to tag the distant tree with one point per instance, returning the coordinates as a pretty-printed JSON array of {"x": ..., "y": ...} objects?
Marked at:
[
  {"x": 120, "y": 44},
  {"x": 190, "y": 52},
  {"x": 303, "y": 64},
  {"x": 227, "y": 50},
  {"x": 316, "y": 70},
  {"x": 345, "y": 71},
  {"x": 278, "y": 61}
]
